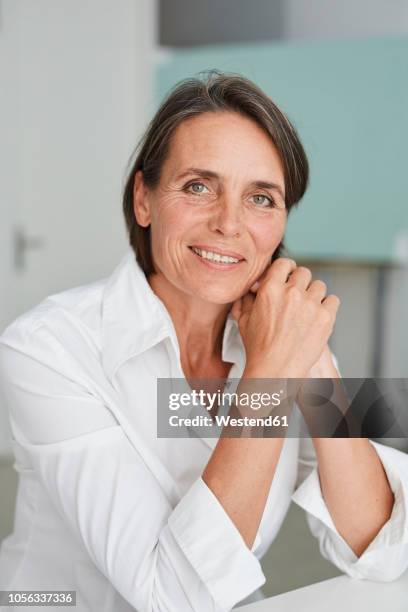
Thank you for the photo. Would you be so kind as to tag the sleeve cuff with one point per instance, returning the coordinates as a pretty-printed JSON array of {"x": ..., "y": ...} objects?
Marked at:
[
  {"x": 389, "y": 548},
  {"x": 214, "y": 546}
]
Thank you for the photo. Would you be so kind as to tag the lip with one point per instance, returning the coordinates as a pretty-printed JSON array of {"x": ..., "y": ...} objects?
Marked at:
[
  {"x": 215, "y": 265},
  {"x": 215, "y": 249}
]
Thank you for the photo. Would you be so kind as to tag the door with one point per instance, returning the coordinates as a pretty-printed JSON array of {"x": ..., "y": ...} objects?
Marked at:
[{"x": 77, "y": 78}]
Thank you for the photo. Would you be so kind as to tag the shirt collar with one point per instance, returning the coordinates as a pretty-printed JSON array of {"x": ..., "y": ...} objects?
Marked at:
[{"x": 134, "y": 319}]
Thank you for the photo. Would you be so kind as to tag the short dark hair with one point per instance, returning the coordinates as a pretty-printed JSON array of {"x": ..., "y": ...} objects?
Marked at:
[{"x": 213, "y": 91}]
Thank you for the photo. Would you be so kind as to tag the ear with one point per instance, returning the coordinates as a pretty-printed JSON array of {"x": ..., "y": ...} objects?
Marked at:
[{"x": 141, "y": 205}]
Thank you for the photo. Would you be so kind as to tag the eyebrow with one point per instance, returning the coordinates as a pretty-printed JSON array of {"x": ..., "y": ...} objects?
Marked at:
[{"x": 211, "y": 174}]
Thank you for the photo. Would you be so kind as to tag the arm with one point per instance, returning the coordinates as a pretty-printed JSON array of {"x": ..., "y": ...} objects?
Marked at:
[
  {"x": 353, "y": 481},
  {"x": 355, "y": 488},
  {"x": 159, "y": 554},
  {"x": 335, "y": 508},
  {"x": 240, "y": 473},
  {"x": 284, "y": 329}
]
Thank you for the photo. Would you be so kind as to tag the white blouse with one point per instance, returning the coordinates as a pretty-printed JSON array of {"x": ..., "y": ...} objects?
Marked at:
[{"x": 106, "y": 508}]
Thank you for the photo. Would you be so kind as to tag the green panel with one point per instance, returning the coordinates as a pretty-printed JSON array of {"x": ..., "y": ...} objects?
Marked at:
[{"x": 349, "y": 103}]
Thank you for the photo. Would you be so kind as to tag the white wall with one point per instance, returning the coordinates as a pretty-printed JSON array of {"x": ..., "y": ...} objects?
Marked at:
[
  {"x": 86, "y": 73},
  {"x": 76, "y": 95},
  {"x": 9, "y": 151}
]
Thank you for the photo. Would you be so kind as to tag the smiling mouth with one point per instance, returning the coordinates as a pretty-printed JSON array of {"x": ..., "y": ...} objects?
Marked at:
[{"x": 215, "y": 257}]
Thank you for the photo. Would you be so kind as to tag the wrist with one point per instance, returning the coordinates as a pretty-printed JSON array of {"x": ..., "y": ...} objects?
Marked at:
[
  {"x": 324, "y": 367},
  {"x": 260, "y": 370}
]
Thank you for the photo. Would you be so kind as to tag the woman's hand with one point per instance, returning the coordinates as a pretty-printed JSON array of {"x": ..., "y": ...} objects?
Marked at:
[
  {"x": 286, "y": 325},
  {"x": 324, "y": 366}
]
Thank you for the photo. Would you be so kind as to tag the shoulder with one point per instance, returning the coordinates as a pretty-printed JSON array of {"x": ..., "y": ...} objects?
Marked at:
[
  {"x": 48, "y": 328},
  {"x": 51, "y": 375}
]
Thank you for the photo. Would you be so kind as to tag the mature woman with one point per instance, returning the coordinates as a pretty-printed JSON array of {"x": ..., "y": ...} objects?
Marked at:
[{"x": 132, "y": 521}]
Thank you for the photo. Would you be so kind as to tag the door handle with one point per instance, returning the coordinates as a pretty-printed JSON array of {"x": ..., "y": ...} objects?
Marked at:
[{"x": 23, "y": 243}]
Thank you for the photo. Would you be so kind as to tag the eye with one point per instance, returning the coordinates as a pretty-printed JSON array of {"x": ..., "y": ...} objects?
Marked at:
[
  {"x": 263, "y": 201},
  {"x": 197, "y": 188}
]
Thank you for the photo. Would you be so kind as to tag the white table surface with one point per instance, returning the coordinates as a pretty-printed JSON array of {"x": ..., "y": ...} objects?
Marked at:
[{"x": 342, "y": 594}]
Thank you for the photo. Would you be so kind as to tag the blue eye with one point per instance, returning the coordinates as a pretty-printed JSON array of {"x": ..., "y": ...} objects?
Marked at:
[
  {"x": 263, "y": 200},
  {"x": 197, "y": 188}
]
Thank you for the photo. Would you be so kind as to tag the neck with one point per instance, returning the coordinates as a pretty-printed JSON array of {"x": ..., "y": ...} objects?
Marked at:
[{"x": 199, "y": 324}]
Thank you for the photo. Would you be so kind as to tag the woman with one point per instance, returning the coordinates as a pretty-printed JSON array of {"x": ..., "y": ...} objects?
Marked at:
[{"x": 132, "y": 521}]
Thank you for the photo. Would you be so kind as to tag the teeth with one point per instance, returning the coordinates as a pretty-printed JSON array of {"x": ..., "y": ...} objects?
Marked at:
[{"x": 215, "y": 256}]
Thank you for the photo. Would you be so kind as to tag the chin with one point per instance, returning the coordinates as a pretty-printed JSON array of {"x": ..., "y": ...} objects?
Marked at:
[{"x": 218, "y": 296}]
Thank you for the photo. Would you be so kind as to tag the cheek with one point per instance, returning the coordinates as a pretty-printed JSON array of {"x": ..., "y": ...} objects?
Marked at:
[
  {"x": 267, "y": 234},
  {"x": 171, "y": 222},
  {"x": 165, "y": 213},
  {"x": 173, "y": 218}
]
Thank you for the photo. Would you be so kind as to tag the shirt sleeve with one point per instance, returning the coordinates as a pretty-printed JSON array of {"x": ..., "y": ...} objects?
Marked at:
[
  {"x": 386, "y": 557},
  {"x": 159, "y": 556}
]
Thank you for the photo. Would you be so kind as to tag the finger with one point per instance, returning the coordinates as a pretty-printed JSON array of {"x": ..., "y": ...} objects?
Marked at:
[
  {"x": 236, "y": 309},
  {"x": 247, "y": 302},
  {"x": 279, "y": 270},
  {"x": 300, "y": 277},
  {"x": 317, "y": 290},
  {"x": 331, "y": 303}
]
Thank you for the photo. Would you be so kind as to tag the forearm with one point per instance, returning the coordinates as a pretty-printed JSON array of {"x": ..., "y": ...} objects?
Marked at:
[
  {"x": 352, "y": 478},
  {"x": 355, "y": 488},
  {"x": 240, "y": 473}
]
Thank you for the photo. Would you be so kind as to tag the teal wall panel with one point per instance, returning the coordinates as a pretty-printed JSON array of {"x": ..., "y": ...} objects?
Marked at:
[{"x": 349, "y": 103}]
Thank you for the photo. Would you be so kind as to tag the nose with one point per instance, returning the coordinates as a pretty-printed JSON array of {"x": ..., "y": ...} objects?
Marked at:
[{"x": 226, "y": 219}]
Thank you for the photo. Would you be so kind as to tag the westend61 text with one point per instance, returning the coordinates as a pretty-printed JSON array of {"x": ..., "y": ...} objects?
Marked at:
[{"x": 228, "y": 421}]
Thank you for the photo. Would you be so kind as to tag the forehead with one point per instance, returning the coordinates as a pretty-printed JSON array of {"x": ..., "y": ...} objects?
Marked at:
[{"x": 225, "y": 142}]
